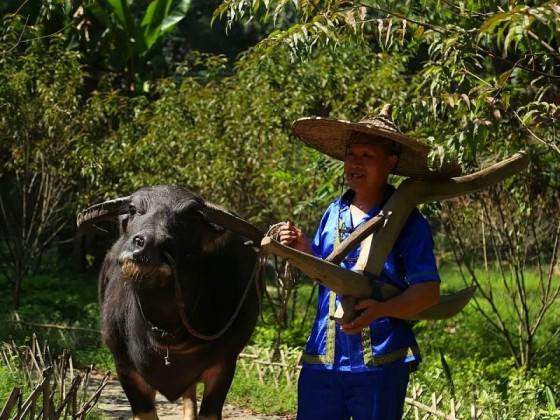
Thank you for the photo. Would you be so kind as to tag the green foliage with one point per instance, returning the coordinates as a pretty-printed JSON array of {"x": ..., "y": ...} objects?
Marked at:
[
  {"x": 469, "y": 65},
  {"x": 296, "y": 324},
  {"x": 470, "y": 335},
  {"x": 498, "y": 389},
  {"x": 62, "y": 298},
  {"x": 42, "y": 130},
  {"x": 227, "y": 138},
  {"x": 131, "y": 39},
  {"x": 40, "y": 109},
  {"x": 515, "y": 233},
  {"x": 97, "y": 355}
]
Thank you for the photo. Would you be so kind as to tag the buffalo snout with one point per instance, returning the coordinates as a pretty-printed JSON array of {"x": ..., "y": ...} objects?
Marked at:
[
  {"x": 142, "y": 248},
  {"x": 142, "y": 258}
]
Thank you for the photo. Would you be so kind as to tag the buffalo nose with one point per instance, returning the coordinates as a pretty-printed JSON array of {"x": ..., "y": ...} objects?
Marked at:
[{"x": 139, "y": 241}]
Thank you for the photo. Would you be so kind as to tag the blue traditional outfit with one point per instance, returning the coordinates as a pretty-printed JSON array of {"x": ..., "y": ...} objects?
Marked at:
[{"x": 363, "y": 376}]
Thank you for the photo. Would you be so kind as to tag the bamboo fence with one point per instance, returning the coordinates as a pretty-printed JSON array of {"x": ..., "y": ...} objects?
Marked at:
[
  {"x": 281, "y": 368},
  {"x": 58, "y": 390}
]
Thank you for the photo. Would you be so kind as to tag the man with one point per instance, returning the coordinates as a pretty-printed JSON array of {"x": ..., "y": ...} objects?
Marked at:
[{"x": 360, "y": 370}]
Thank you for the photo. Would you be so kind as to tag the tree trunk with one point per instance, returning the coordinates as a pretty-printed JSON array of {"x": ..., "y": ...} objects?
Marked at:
[{"x": 17, "y": 290}]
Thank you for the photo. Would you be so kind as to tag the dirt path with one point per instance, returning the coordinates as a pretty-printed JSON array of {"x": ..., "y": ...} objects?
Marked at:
[{"x": 114, "y": 405}]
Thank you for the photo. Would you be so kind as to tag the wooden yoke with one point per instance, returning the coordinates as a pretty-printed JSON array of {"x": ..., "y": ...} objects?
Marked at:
[{"x": 378, "y": 235}]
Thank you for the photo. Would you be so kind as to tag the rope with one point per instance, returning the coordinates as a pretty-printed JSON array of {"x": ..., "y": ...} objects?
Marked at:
[
  {"x": 181, "y": 305},
  {"x": 286, "y": 274}
]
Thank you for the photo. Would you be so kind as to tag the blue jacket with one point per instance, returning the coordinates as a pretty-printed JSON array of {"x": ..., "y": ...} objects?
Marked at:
[{"x": 386, "y": 340}]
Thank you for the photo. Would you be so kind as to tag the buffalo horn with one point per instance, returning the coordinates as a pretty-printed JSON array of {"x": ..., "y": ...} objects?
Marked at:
[
  {"x": 103, "y": 211},
  {"x": 222, "y": 217}
]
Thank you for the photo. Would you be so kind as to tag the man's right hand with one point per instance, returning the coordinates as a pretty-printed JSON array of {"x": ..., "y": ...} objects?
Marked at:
[{"x": 290, "y": 235}]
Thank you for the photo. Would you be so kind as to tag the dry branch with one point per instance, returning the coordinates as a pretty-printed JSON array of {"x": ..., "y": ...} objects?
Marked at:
[{"x": 55, "y": 326}]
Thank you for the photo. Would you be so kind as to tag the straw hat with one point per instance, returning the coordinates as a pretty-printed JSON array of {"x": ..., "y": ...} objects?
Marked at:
[{"x": 330, "y": 136}]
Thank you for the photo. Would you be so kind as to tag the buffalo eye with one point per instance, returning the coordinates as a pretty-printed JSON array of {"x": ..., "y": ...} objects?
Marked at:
[{"x": 131, "y": 210}]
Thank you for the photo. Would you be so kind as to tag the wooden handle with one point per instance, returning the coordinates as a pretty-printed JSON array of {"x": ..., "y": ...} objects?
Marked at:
[{"x": 339, "y": 280}]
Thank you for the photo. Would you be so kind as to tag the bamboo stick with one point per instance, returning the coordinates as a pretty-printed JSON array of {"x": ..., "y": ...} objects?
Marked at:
[
  {"x": 55, "y": 326},
  {"x": 12, "y": 400}
]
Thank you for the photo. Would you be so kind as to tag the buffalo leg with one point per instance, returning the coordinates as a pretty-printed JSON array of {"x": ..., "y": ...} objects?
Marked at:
[
  {"x": 140, "y": 395},
  {"x": 217, "y": 381},
  {"x": 189, "y": 403}
]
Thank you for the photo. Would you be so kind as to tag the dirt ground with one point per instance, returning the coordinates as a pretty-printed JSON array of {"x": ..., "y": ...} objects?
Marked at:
[{"x": 114, "y": 405}]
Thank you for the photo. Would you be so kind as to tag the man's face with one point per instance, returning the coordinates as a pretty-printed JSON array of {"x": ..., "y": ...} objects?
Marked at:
[{"x": 366, "y": 166}]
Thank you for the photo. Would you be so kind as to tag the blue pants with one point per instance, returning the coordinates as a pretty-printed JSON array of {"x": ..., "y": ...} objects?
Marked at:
[{"x": 334, "y": 395}]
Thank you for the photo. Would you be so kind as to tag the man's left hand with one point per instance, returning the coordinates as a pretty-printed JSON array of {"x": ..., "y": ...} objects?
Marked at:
[
  {"x": 371, "y": 311},
  {"x": 407, "y": 305}
]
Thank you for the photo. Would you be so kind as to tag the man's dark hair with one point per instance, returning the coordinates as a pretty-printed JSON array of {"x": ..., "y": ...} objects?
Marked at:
[{"x": 390, "y": 147}]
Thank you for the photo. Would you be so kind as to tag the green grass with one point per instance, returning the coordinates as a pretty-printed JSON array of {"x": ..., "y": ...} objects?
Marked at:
[
  {"x": 452, "y": 279},
  {"x": 469, "y": 335},
  {"x": 9, "y": 380},
  {"x": 247, "y": 391}
]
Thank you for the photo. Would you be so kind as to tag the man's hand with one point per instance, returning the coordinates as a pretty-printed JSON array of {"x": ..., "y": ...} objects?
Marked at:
[
  {"x": 291, "y": 235},
  {"x": 371, "y": 311},
  {"x": 404, "y": 306}
]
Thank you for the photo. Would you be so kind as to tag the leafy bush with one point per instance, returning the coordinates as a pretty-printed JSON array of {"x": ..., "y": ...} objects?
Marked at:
[
  {"x": 62, "y": 298},
  {"x": 46, "y": 126},
  {"x": 499, "y": 389}
]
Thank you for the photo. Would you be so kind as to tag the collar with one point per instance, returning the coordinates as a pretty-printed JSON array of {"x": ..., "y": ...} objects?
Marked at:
[{"x": 346, "y": 199}]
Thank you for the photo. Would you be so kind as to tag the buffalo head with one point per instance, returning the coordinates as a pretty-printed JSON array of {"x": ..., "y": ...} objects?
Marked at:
[{"x": 163, "y": 224}]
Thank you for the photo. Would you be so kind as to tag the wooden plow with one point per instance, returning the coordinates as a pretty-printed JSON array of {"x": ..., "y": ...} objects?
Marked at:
[{"x": 377, "y": 237}]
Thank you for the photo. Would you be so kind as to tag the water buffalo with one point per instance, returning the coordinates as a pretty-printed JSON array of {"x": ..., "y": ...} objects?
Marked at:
[{"x": 178, "y": 297}]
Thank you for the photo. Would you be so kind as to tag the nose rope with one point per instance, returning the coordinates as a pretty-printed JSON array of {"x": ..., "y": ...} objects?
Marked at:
[
  {"x": 286, "y": 275},
  {"x": 181, "y": 304}
]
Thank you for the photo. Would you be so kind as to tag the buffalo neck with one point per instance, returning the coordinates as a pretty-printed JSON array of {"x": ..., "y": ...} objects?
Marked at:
[
  {"x": 209, "y": 290},
  {"x": 156, "y": 305}
]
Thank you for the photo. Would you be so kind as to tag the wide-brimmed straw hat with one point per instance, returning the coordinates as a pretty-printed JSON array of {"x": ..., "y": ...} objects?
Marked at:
[{"x": 331, "y": 136}]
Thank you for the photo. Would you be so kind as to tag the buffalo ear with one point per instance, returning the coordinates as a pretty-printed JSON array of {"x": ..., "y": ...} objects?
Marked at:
[{"x": 213, "y": 237}]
